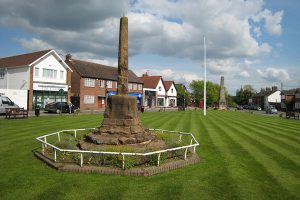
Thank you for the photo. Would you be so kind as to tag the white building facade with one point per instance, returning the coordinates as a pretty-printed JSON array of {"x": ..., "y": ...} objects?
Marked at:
[{"x": 42, "y": 74}]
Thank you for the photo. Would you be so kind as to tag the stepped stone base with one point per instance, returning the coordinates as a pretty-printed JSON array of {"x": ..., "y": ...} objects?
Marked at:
[{"x": 121, "y": 124}]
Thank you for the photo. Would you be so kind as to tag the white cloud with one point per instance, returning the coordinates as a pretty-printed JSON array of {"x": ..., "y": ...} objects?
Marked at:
[
  {"x": 272, "y": 21},
  {"x": 274, "y": 74},
  {"x": 228, "y": 67},
  {"x": 169, "y": 74},
  {"x": 35, "y": 44},
  {"x": 257, "y": 31}
]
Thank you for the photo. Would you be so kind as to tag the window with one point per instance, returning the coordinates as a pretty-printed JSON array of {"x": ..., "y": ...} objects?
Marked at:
[
  {"x": 134, "y": 86},
  {"x": 172, "y": 90},
  {"x": 161, "y": 102},
  {"x": 140, "y": 87},
  {"x": 49, "y": 73},
  {"x": 159, "y": 88},
  {"x": 109, "y": 84},
  {"x": 114, "y": 84},
  {"x": 2, "y": 73},
  {"x": 101, "y": 83},
  {"x": 36, "y": 72},
  {"x": 61, "y": 75},
  {"x": 130, "y": 86},
  {"x": 88, "y": 82},
  {"x": 88, "y": 99}
]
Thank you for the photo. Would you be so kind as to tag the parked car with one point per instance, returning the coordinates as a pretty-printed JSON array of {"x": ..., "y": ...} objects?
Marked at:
[
  {"x": 271, "y": 110},
  {"x": 257, "y": 108},
  {"x": 246, "y": 106},
  {"x": 5, "y": 102},
  {"x": 58, "y": 107},
  {"x": 238, "y": 107}
]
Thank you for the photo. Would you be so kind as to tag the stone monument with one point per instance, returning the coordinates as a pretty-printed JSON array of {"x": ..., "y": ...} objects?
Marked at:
[
  {"x": 121, "y": 123},
  {"x": 222, "y": 100}
]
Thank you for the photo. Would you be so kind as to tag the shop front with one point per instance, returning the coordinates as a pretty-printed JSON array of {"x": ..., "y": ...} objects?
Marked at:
[{"x": 48, "y": 93}]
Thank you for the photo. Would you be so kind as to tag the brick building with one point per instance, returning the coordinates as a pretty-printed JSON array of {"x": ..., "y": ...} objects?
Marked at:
[{"x": 92, "y": 83}]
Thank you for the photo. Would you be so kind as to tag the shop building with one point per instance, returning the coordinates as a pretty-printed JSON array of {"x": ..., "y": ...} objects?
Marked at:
[
  {"x": 43, "y": 74},
  {"x": 92, "y": 83}
]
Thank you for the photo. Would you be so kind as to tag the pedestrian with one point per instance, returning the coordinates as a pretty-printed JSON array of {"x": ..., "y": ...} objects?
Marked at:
[{"x": 70, "y": 107}]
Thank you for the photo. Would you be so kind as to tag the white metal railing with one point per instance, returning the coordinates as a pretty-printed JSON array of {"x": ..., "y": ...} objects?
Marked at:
[{"x": 43, "y": 139}]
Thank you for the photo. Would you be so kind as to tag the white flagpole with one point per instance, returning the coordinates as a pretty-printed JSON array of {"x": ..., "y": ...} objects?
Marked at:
[{"x": 204, "y": 77}]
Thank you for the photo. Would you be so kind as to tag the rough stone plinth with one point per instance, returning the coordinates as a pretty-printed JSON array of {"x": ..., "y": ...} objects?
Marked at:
[
  {"x": 121, "y": 124},
  {"x": 222, "y": 100}
]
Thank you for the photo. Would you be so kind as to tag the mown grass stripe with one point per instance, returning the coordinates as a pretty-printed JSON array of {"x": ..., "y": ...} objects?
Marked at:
[
  {"x": 258, "y": 179},
  {"x": 287, "y": 148},
  {"x": 260, "y": 153}
]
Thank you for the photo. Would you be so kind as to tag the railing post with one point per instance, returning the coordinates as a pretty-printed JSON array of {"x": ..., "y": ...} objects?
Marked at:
[
  {"x": 186, "y": 149},
  {"x": 81, "y": 160},
  {"x": 123, "y": 161},
  {"x": 194, "y": 149},
  {"x": 45, "y": 140},
  {"x": 191, "y": 141},
  {"x": 58, "y": 137},
  {"x": 180, "y": 137},
  {"x": 75, "y": 133},
  {"x": 54, "y": 155},
  {"x": 43, "y": 148},
  {"x": 158, "y": 159}
]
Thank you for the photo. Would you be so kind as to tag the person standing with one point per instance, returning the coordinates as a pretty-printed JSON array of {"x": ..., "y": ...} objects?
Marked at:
[{"x": 70, "y": 107}]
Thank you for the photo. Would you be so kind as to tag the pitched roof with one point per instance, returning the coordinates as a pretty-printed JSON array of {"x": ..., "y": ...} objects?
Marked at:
[
  {"x": 290, "y": 92},
  {"x": 21, "y": 60},
  {"x": 150, "y": 81},
  {"x": 264, "y": 93},
  {"x": 95, "y": 70},
  {"x": 168, "y": 84}
]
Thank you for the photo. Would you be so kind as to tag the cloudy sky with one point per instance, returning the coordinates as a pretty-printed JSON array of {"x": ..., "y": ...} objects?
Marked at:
[{"x": 252, "y": 42}]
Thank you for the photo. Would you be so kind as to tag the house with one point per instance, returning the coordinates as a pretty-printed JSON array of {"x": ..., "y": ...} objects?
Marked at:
[
  {"x": 92, "y": 83},
  {"x": 290, "y": 99},
  {"x": 154, "y": 91},
  {"x": 38, "y": 78},
  {"x": 267, "y": 97},
  {"x": 171, "y": 94}
]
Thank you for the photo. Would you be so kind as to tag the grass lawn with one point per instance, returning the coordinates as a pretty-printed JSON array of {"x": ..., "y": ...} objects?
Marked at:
[{"x": 244, "y": 156}]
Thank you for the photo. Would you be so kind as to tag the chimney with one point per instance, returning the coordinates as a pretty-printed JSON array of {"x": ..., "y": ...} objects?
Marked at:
[
  {"x": 68, "y": 57},
  {"x": 268, "y": 89},
  {"x": 262, "y": 90},
  {"x": 146, "y": 74},
  {"x": 274, "y": 88}
]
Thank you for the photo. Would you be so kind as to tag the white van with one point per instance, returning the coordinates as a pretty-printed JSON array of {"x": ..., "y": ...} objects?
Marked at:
[{"x": 5, "y": 102}]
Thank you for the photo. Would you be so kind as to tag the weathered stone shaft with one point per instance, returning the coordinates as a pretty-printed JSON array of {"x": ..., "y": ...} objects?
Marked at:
[
  {"x": 123, "y": 57},
  {"x": 222, "y": 101}
]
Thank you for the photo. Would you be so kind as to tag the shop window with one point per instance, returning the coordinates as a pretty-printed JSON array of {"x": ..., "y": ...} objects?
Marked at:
[
  {"x": 88, "y": 82},
  {"x": 161, "y": 102},
  {"x": 88, "y": 99}
]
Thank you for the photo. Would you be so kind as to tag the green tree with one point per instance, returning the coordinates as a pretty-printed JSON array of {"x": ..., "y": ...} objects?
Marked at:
[
  {"x": 244, "y": 94},
  {"x": 212, "y": 91},
  {"x": 183, "y": 96}
]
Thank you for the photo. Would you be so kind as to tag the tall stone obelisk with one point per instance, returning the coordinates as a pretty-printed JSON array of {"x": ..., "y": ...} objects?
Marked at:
[
  {"x": 121, "y": 123},
  {"x": 222, "y": 100},
  {"x": 123, "y": 57}
]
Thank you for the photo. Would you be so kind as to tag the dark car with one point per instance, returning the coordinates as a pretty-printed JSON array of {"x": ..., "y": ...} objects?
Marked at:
[
  {"x": 239, "y": 107},
  {"x": 57, "y": 107}
]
